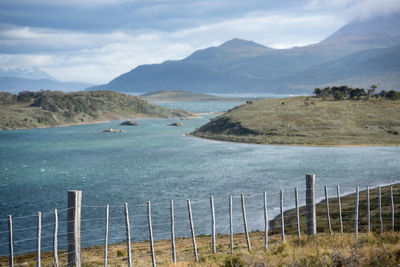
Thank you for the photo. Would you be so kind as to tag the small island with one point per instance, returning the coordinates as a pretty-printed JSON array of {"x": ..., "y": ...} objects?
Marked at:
[
  {"x": 176, "y": 124},
  {"x": 50, "y": 108},
  {"x": 337, "y": 116},
  {"x": 129, "y": 123}
]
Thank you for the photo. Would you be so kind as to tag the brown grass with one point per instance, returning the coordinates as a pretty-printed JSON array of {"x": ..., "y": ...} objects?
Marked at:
[
  {"x": 308, "y": 121},
  {"x": 370, "y": 249},
  {"x": 321, "y": 250}
]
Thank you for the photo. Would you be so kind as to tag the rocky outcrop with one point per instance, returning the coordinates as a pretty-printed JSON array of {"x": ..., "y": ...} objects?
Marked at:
[
  {"x": 223, "y": 125},
  {"x": 111, "y": 130},
  {"x": 129, "y": 123},
  {"x": 176, "y": 124}
]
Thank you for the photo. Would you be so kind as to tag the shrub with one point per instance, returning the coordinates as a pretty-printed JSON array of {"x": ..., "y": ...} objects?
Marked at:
[{"x": 234, "y": 261}]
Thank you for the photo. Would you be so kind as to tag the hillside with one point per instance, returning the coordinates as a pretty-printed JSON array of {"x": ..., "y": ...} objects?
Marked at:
[
  {"x": 50, "y": 108},
  {"x": 183, "y": 96},
  {"x": 308, "y": 121},
  {"x": 240, "y": 66}
]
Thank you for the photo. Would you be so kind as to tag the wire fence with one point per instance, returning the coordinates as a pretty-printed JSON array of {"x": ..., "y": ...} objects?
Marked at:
[{"x": 220, "y": 225}]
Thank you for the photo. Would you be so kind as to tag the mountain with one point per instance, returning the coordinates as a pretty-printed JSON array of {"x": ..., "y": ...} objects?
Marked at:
[
  {"x": 17, "y": 84},
  {"x": 34, "y": 73},
  {"x": 362, "y": 69},
  {"x": 240, "y": 66}
]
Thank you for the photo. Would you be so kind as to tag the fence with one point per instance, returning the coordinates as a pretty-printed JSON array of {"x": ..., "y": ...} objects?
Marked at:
[{"x": 368, "y": 211}]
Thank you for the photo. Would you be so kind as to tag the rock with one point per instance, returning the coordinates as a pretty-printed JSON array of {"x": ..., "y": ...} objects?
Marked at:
[
  {"x": 176, "y": 124},
  {"x": 111, "y": 130},
  {"x": 129, "y": 123}
]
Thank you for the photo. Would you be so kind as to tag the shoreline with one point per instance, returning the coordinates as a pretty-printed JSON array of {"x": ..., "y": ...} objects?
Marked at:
[
  {"x": 321, "y": 201},
  {"x": 117, "y": 251},
  {"x": 92, "y": 122},
  {"x": 303, "y": 145}
]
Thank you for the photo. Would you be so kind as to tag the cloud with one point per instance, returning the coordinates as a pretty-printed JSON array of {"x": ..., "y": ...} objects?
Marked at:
[
  {"x": 99, "y": 57},
  {"x": 357, "y": 9}
]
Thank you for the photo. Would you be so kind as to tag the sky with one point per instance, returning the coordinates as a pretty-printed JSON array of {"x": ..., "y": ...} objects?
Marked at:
[{"x": 94, "y": 41}]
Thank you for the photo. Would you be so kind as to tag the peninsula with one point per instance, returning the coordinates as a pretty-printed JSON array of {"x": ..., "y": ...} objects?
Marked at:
[
  {"x": 50, "y": 108},
  {"x": 184, "y": 96},
  {"x": 309, "y": 121}
]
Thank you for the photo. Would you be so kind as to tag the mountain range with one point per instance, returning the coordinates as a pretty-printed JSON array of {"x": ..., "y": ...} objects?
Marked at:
[
  {"x": 360, "y": 54},
  {"x": 17, "y": 80}
]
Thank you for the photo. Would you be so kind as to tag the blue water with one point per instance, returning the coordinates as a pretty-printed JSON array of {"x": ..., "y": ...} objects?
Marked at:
[{"x": 157, "y": 163}]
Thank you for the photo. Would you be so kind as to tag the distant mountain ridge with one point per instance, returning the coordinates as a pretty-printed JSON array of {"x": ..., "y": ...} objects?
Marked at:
[
  {"x": 18, "y": 84},
  {"x": 240, "y": 66},
  {"x": 34, "y": 73}
]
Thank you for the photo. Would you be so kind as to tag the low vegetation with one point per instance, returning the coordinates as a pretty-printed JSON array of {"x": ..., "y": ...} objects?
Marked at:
[
  {"x": 324, "y": 249},
  {"x": 345, "y": 92},
  {"x": 50, "y": 108},
  {"x": 320, "y": 250},
  {"x": 309, "y": 121}
]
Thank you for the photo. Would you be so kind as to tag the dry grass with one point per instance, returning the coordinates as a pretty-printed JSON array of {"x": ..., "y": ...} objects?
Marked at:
[
  {"x": 309, "y": 121},
  {"x": 321, "y": 250},
  {"x": 370, "y": 249}
]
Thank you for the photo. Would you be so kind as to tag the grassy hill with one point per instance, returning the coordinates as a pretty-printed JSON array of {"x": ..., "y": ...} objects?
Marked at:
[
  {"x": 50, "y": 108},
  {"x": 308, "y": 121},
  {"x": 183, "y": 96}
]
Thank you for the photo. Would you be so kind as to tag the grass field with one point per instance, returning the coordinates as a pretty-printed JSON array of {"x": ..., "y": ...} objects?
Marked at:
[
  {"x": 369, "y": 249},
  {"x": 308, "y": 121}
]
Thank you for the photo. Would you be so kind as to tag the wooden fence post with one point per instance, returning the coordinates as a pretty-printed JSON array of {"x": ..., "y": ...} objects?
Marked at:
[
  {"x": 173, "y": 232},
  {"x": 55, "y": 239},
  {"x": 230, "y": 223},
  {"x": 368, "y": 210},
  {"x": 245, "y": 223},
  {"x": 282, "y": 219},
  {"x": 340, "y": 209},
  {"x": 10, "y": 242},
  {"x": 327, "y": 209},
  {"x": 128, "y": 235},
  {"x": 214, "y": 250},
  {"x": 153, "y": 255},
  {"x": 265, "y": 222},
  {"x": 296, "y": 200},
  {"x": 380, "y": 209},
  {"x": 392, "y": 206},
  {"x": 106, "y": 236},
  {"x": 356, "y": 214},
  {"x": 310, "y": 205},
  {"x": 39, "y": 237},
  {"x": 192, "y": 230},
  {"x": 74, "y": 227}
]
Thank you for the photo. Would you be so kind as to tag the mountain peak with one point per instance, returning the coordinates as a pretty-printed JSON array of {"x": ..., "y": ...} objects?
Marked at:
[
  {"x": 381, "y": 25},
  {"x": 240, "y": 43}
]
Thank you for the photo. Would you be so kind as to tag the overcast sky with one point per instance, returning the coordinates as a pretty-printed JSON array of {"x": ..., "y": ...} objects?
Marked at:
[{"x": 96, "y": 40}]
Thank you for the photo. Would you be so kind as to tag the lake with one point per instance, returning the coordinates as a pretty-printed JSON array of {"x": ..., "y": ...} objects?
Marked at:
[{"x": 157, "y": 163}]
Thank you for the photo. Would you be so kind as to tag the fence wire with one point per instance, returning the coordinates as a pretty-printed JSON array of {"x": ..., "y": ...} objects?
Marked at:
[{"x": 93, "y": 227}]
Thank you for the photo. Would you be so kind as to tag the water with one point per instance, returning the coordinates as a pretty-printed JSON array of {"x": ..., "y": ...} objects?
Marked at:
[{"x": 153, "y": 162}]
